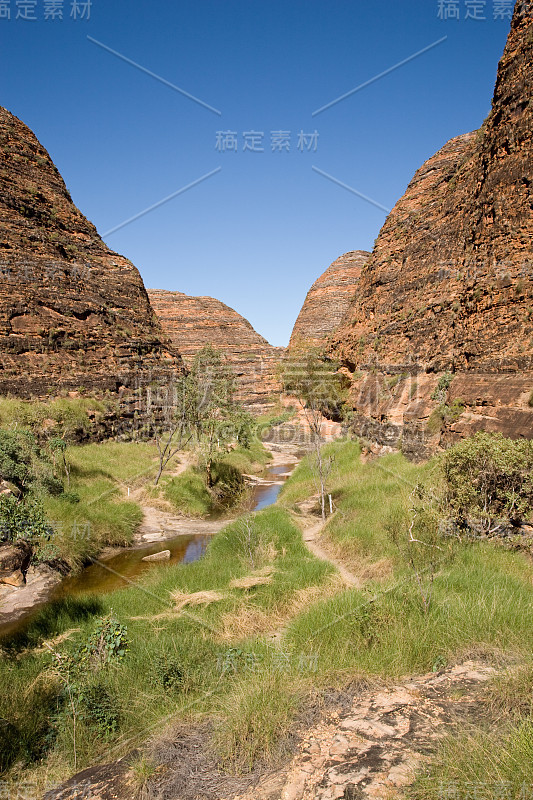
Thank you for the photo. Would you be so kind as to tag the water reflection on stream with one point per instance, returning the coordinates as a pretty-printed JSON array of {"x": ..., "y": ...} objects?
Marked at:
[
  {"x": 109, "y": 574},
  {"x": 127, "y": 565}
]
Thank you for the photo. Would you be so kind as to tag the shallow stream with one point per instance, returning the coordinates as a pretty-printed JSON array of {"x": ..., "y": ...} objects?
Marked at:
[{"x": 127, "y": 565}]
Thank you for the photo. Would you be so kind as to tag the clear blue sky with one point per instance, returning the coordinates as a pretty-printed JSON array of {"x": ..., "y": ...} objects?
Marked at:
[{"x": 259, "y": 232}]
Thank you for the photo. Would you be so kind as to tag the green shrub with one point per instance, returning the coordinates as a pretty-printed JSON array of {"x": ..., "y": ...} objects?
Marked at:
[
  {"x": 23, "y": 520},
  {"x": 444, "y": 413},
  {"x": 442, "y": 387},
  {"x": 488, "y": 481},
  {"x": 16, "y": 459},
  {"x": 108, "y": 642},
  {"x": 99, "y": 709},
  {"x": 25, "y": 465}
]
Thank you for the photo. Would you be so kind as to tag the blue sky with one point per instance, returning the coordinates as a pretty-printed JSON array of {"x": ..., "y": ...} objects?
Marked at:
[{"x": 259, "y": 231}]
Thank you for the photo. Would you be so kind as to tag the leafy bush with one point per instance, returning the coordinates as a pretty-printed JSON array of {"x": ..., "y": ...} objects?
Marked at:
[
  {"x": 15, "y": 459},
  {"x": 489, "y": 481},
  {"x": 108, "y": 642},
  {"x": 25, "y": 465},
  {"x": 445, "y": 413},
  {"x": 442, "y": 386},
  {"x": 23, "y": 520},
  {"x": 99, "y": 709}
]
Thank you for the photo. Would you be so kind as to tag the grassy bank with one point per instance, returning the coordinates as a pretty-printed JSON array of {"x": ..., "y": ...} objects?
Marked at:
[
  {"x": 94, "y": 510},
  {"x": 201, "y": 636},
  {"x": 199, "y": 657},
  {"x": 58, "y": 416}
]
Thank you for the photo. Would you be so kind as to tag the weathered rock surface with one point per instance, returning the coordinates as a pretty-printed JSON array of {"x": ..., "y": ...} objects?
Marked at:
[
  {"x": 369, "y": 746},
  {"x": 328, "y": 300},
  {"x": 374, "y": 748},
  {"x": 449, "y": 285},
  {"x": 17, "y": 602},
  {"x": 72, "y": 312},
  {"x": 164, "y": 555},
  {"x": 193, "y": 322},
  {"x": 14, "y": 563}
]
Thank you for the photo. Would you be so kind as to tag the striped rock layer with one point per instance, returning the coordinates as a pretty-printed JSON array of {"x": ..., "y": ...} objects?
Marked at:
[
  {"x": 73, "y": 314},
  {"x": 194, "y": 322},
  {"x": 449, "y": 285}
]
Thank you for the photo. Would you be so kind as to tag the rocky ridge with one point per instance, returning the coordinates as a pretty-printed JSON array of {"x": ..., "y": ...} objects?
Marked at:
[
  {"x": 328, "y": 300},
  {"x": 449, "y": 285},
  {"x": 73, "y": 314},
  {"x": 193, "y": 322}
]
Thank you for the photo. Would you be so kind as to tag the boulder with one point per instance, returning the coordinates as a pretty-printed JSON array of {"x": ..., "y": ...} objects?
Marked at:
[
  {"x": 164, "y": 555},
  {"x": 14, "y": 563}
]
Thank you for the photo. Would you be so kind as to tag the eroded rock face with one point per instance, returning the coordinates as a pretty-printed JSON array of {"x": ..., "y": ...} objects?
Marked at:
[
  {"x": 449, "y": 285},
  {"x": 193, "y": 322},
  {"x": 328, "y": 300},
  {"x": 72, "y": 312}
]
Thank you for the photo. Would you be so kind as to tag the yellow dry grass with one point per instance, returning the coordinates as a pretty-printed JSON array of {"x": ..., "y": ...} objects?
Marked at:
[
  {"x": 260, "y": 577},
  {"x": 249, "y": 620},
  {"x": 182, "y": 599}
]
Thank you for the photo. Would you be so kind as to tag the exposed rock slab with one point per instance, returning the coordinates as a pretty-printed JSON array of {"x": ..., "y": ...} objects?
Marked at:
[
  {"x": 72, "y": 312},
  {"x": 449, "y": 285},
  {"x": 15, "y": 603},
  {"x": 328, "y": 300},
  {"x": 369, "y": 748},
  {"x": 14, "y": 563},
  {"x": 374, "y": 749},
  {"x": 193, "y": 322}
]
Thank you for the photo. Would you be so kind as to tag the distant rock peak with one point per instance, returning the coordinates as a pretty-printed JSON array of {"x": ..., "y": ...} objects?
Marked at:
[{"x": 328, "y": 300}]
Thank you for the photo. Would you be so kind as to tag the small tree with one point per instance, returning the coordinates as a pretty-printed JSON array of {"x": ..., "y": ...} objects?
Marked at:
[
  {"x": 218, "y": 420},
  {"x": 177, "y": 426},
  {"x": 315, "y": 381}
]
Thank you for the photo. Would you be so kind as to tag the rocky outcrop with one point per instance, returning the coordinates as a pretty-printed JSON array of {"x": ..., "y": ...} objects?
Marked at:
[
  {"x": 73, "y": 314},
  {"x": 193, "y": 322},
  {"x": 14, "y": 563},
  {"x": 449, "y": 285},
  {"x": 328, "y": 300},
  {"x": 367, "y": 743}
]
